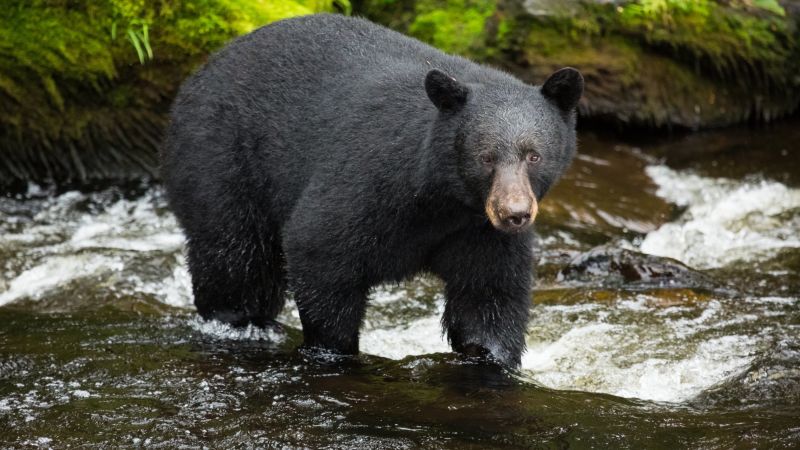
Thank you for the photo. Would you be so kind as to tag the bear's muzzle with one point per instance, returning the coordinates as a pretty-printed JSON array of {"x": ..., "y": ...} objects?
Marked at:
[{"x": 511, "y": 205}]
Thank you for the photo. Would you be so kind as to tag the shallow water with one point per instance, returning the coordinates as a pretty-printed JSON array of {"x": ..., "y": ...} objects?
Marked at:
[{"x": 695, "y": 345}]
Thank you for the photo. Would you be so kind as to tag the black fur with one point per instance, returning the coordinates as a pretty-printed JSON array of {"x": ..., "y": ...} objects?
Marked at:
[
  {"x": 564, "y": 87},
  {"x": 310, "y": 153},
  {"x": 445, "y": 92}
]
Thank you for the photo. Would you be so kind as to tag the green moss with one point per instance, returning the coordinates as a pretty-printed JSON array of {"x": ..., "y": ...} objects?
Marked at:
[
  {"x": 734, "y": 38},
  {"x": 85, "y": 86},
  {"x": 688, "y": 63},
  {"x": 455, "y": 26}
]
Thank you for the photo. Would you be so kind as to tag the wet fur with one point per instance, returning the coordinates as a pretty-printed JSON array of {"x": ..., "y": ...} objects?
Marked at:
[{"x": 307, "y": 155}]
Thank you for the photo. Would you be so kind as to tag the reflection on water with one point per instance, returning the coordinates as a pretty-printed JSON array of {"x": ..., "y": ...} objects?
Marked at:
[{"x": 99, "y": 343}]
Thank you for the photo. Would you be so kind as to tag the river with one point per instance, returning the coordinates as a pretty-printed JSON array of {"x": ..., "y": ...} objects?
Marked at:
[{"x": 666, "y": 314}]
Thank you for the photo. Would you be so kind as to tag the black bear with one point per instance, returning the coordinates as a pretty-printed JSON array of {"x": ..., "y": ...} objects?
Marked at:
[{"x": 326, "y": 154}]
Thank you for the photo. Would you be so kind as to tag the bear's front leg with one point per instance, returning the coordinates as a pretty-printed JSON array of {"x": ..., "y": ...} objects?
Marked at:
[{"x": 488, "y": 277}]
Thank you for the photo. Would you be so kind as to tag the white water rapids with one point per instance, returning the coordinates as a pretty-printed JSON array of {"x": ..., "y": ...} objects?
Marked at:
[{"x": 634, "y": 345}]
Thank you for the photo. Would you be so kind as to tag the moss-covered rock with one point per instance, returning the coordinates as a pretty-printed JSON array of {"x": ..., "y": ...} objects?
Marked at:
[
  {"x": 85, "y": 86},
  {"x": 659, "y": 63}
]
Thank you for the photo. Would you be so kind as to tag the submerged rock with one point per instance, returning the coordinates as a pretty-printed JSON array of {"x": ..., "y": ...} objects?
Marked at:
[{"x": 613, "y": 266}]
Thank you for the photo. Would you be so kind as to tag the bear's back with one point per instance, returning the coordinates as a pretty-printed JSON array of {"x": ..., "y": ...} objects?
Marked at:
[
  {"x": 324, "y": 54},
  {"x": 332, "y": 42}
]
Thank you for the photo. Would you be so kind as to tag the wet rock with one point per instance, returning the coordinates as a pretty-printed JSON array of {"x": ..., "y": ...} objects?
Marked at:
[{"x": 609, "y": 265}]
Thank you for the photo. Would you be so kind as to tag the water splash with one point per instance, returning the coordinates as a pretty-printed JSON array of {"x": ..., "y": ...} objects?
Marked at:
[
  {"x": 725, "y": 220},
  {"x": 56, "y": 272},
  {"x": 219, "y": 330},
  {"x": 57, "y": 240}
]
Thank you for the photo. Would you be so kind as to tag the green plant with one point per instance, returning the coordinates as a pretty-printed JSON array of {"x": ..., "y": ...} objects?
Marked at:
[
  {"x": 85, "y": 86},
  {"x": 138, "y": 34}
]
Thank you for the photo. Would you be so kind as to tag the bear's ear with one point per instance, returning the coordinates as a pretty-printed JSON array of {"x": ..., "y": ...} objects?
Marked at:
[
  {"x": 564, "y": 87},
  {"x": 445, "y": 91}
]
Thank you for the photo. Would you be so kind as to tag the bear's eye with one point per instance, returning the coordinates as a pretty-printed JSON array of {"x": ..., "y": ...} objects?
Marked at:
[
  {"x": 487, "y": 158},
  {"x": 533, "y": 158}
]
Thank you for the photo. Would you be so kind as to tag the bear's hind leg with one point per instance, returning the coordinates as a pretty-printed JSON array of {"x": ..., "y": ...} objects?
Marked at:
[
  {"x": 329, "y": 292},
  {"x": 239, "y": 281},
  {"x": 218, "y": 190},
  {"x": 331, "y": 314}
]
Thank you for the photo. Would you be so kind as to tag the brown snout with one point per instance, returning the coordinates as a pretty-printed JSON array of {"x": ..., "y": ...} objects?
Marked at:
[{"x": 511, "y": 205}]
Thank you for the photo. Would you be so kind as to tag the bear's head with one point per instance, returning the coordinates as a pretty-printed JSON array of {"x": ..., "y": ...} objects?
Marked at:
[{"x": 511, "y": 141}]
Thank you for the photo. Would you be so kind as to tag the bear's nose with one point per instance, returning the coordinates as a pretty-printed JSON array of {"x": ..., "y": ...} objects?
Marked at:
[
  {"x": 517, "y": 214},
  {"x": 518, "y": 220}
]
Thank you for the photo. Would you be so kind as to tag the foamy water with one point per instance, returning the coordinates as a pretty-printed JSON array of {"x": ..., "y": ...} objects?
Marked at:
[
  {"x": 55, "y": 272},
  {"x": 725, "y": 220},
  {"x": 634, "y": 348},
  {"x": 76, "y": 236},
  {"x": 630, "y": 346}
]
